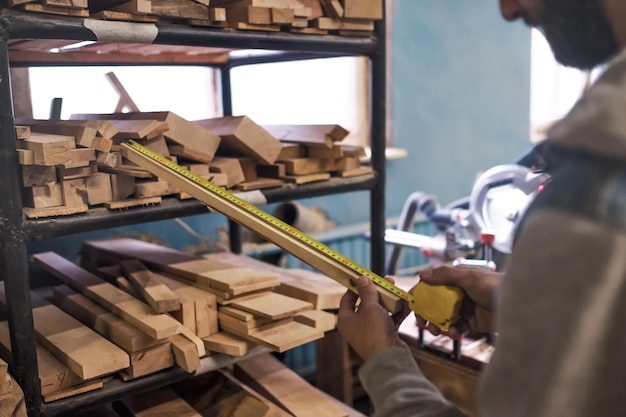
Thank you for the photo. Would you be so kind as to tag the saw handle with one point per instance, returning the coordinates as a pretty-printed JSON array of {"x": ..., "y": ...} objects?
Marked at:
[{"x": 438, "y": 304}]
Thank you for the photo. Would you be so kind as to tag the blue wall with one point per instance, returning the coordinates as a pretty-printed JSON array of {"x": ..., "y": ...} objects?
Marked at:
[{"x": 460, "y": 91}]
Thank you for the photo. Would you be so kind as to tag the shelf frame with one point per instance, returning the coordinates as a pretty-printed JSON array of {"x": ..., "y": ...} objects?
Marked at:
[{"x": 16, "y": 232}]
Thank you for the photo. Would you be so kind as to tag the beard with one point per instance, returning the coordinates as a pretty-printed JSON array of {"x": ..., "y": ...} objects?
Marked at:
[{"x": 578, "y": 31}]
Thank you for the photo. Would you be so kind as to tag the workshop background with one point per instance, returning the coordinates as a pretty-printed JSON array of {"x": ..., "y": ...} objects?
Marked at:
[{"x": 459, "y": 104}]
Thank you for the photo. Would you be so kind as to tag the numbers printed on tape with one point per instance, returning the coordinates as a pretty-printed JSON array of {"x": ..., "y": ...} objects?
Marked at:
[{"x": 273, "y": 221}]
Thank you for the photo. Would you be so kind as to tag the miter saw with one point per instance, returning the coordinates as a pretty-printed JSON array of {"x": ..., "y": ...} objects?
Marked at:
[{"x": 471, "y": 227}]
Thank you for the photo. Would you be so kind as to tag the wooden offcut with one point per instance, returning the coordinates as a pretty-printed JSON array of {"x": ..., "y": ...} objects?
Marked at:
[
  {"x": 48, "y": 149},
  {"x": 84, "y": 351},
  {"x": 237, "y": 281},
  {"x": 228, "y": 343},
  {"x": 158, "y": 326},
  {"x": 272, "y": 306},
  {"x": 118, "y": 331},
  {"x": 154, "y": 292},
  {"x": 242, "y": 137},
  {"x": 53, "y": 374}
]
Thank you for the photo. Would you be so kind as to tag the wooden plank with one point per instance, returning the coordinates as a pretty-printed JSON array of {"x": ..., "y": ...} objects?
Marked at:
[
  {"x": 43, "y": 196},
  {"x": 160, "y": 402},
  {"x": 36, "y": 213},
  {"x": 363, "y": 9},
  {"x": 154, "y": 291},
  {"x": 135, "y": 202},
  {"x": 334, "y": 8},
  {"x": 48, "y": 149},
  {"x": 74, "y": 192},
  {"x": 180, "y": 8},
  {"x": 308, "y": 133},
  {"x": 62, "y": 11},
  {"x": 242, "y": 137},
  {"x": 283, "y": 335},
  {"x": 74, "y": 390},
  {"x": 38, "y": 175},
  {"x": 356, "y": 172},
  {"x": 335, "y": 270},
  {"x": 134, "y": 6},
  {"x": 118, "y": 331},
  {"x": 321, "y": 320},
  {"x": 53, "y": 375},
  {"x": 98, "y": 187},
  {"x": 204, "y": 305},
  {"x": 158, "y": 188},
  {"x": 292, "y": 150},
  {"x": 149, "y": 360},
  {"x": 231, "y": 167},
  {"x": 25, "y": 157},
  {"x": 237, "y": 281},
  {"x": 84, "y": 351},
  {"x": 158, "y": 326},
  {"x": 12, "y": 401},
  {"x": 64, "y": 173},
  {"x": 306, "y": 166},
  {"x": 249, "y": 14},
  {"x": 273, "y": 306},
  {"x": 305, "y": 179},
  {"x": 71, "y": 4},
  {"x": 83, "y": 135},
  {"x": 22, "y": 132},
  {"x": 103, "y": 144},
  {"x": 268, "y": 376},
  {"x": 259, "y": 184},
  {"x": 122, "y": 186},
  {"x": 303, "y": 284},
  {"x": 128, "y": 170},
  {"x": 185, "y": 353},
  {"x": 228, "y": 343},
  {"x": 137, "y": 129},
  {"x": 330, "y": 23}
]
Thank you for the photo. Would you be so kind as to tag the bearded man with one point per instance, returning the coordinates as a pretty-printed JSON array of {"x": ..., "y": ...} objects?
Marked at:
[{"x": 560, "y": 302}]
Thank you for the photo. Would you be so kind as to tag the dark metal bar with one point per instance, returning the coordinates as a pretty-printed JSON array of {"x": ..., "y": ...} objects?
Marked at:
[
  {"x": 278, "y": 57},
  {"x": 55, "y": 108},
  {"x": 102, "y": 218},
  {"x": 234, "y": 229},
  {"x": 13, "y": 255},
  {"x": 379, "y": 139},
  {"x": 37, "y": 26}
]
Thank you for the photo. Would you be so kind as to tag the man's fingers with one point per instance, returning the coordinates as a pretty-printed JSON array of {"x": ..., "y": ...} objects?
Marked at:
[
  {"x": 443, "y": 275},
  {"x": 367, "y": 291},
  {"x": 348, "y": 302}
]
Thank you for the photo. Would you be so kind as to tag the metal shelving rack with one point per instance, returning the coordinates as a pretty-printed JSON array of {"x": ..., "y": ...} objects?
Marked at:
[{"x": 16, "y": 231}]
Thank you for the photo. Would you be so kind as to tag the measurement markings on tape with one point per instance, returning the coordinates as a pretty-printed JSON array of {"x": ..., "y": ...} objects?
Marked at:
[{"x": 314, "y": 253}]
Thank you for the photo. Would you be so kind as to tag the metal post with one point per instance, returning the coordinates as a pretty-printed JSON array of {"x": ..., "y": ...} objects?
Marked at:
[
  {"x": 378, "y": 144},
  {"x": 13, "y": 254},
  {"x": 234, "y": 229}
]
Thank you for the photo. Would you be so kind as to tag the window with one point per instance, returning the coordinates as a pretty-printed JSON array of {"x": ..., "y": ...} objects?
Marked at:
[{"x": 554, "y": 88}]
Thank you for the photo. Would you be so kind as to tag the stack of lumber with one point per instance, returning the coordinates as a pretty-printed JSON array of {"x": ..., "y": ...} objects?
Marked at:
[
  {"x": 69, "y": 166},
  {"x": 255, "y": 306},
  {"x": 133, "y": 308},
  {"x": 318, "y": 17}
]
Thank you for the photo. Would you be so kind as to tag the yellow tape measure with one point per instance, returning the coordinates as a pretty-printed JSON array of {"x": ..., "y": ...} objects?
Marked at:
[{"x": 438, "y": 304}]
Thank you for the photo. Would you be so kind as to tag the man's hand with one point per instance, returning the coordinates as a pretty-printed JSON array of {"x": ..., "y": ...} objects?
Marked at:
[
  {"x": 369, "y": 327},
  {"x": 479, "y": 285}
]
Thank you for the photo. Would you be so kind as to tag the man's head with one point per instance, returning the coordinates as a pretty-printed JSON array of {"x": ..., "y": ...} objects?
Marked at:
[{"x": 578, "y": 31}]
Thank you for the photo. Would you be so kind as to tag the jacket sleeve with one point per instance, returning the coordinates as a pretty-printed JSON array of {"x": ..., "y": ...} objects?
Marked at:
[{"x": 397, "y": 388}]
